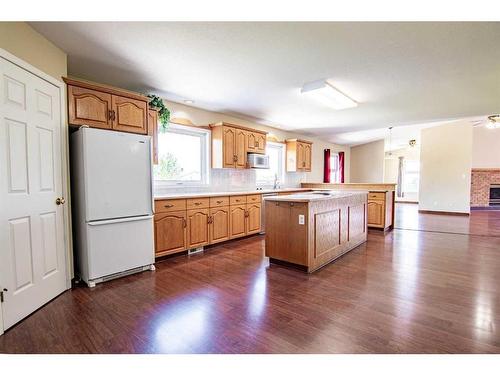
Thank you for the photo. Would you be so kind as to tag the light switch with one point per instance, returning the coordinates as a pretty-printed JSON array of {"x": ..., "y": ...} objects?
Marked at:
[{"x": 302, "y": 219}]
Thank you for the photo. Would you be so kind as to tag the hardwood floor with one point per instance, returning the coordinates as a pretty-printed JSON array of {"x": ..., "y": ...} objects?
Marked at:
[
  {"x": 479, "y": 223},
  {"x": 404, "y": 292}
]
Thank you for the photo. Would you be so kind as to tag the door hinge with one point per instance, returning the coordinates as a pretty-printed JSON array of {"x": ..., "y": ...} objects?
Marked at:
[{"x": 1, "y": 294}]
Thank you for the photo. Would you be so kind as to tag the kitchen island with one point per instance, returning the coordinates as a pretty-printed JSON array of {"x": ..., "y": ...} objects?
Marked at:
[{"x": 309, "y": 230}]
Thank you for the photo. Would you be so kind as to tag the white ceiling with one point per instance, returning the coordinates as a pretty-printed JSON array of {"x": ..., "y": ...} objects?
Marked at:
[{"x": 399, "y": 73}]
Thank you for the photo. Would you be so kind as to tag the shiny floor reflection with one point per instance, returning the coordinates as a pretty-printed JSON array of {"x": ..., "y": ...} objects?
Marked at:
[{"x": 404, "y": 292}]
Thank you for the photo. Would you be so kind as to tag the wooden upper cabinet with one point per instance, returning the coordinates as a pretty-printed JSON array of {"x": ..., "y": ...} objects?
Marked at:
[
  {"x": 298, "y": 155},
  {"x": 106, "y": 107},
  {"x": 261, "y": 144},
  {"x": 307, "y": 157},
  {"x": 129, "y": 115},
  {"x": 229, "y": 147},
  {"x": 89, "y": 107},
  {"x": 241, "y": 150},
  {"x": 231, "y": 143},
  {"x": 153, "y": 132}
]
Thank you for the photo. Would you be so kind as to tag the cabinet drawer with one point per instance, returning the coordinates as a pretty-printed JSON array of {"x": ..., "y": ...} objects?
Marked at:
[
  {"x": 169, "y": 205},
  {"x": 197, "y": 203},
  {"x": 238, "y": 199},
  {"x": 219, "y": 201},
  {"x": 376, "y": 196},
  {"x": 256, "y": 198}
]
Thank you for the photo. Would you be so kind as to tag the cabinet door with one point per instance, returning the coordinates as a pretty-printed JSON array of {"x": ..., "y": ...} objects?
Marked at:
[
  {"x": 170, "y": 232},
  {"x": 130, "y": 115},
  {"x": 253, "y": 218},
  {"x": 219, "y": 224},
  {"x": 237, "y": 221},
  {"x": 307, "y": 157},
  {"x": 241, "y": 150},
  {"x": 197, "y": 228},
  {"x": 251, "y": 142},
  {"x": 300, "y": 157},
  {"x": 89, "y": 107},
  {"x": 153, "y": 132},
  {"x": 229, "y": 147},
  {"x": 376, "y": 213},
  {"x": 261, "y": 144}
]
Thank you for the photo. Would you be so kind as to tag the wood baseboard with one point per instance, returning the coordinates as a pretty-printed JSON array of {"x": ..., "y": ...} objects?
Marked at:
[
  {"x": 444, "y": 213},
  {"x": 410, "y": 202}
]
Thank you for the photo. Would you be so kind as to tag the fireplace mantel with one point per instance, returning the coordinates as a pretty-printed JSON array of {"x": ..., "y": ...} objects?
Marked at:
[{"x": 482, "y": 179}]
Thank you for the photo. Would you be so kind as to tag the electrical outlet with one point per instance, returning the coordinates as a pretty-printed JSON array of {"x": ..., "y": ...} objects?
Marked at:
[{"x": 302, "y": 219}]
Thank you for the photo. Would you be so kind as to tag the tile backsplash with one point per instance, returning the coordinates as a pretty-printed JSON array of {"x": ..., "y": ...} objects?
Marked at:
[{"x": 231, "y": 180}]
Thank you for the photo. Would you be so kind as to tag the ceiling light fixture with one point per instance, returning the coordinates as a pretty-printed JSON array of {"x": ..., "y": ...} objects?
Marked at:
[
  {"x": 324, "y": 92},
  {"x": 188, "y": 101}
]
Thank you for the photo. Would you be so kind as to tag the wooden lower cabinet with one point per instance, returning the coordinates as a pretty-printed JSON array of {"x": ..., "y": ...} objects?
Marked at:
[
  {"x": 218, "y": 228},
  {"x": 170, "y": 232},
  {"x": 253, "y": 218},
  {"x": 197, "y": 228},
  {"x": 237, "y": 221},
  {"x": 180, "y": 226},
  {"x": 376, "y": 213}
]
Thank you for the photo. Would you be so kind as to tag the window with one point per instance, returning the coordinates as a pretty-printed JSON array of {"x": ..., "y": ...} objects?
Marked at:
[
  {"x": 411, "y": 175},
  {"x": 276, "y": 154},
  {"x": 334, "y": 168},
  {"x": 182, "y": 157}
]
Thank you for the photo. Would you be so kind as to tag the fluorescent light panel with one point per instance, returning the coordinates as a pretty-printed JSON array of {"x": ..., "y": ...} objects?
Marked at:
[{"x": 325, "y": 93}]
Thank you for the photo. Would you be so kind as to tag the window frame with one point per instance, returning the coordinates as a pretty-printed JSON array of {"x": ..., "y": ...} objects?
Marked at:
[
  {"x": 281, "y": 165},
  {"x": 205, "y": 136}
]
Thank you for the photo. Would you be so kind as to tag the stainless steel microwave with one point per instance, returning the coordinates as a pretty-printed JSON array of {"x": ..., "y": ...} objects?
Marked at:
[{"x": 258, "y": 161}]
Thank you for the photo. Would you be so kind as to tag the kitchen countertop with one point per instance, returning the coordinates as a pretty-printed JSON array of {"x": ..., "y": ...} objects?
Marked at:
[
  {"x": 226, "y": 193},
  {"x": 309, "y": 197}
]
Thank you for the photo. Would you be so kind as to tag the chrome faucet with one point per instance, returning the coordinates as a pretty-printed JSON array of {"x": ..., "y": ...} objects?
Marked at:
[{"x": 276, "y": 182}]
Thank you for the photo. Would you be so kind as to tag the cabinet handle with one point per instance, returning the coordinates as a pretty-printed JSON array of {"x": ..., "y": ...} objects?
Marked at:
[
  {"x": 197, "y": 203},
  {"x": 235, "y": 157},
  {"x": 246, "y": 213},
  {"x": 112, "y": 115},
  {"x": 168, "y": 205},
  {"x": 209, "y": 220},
  {"x": 219, "y": 202},
  {"x": 184, "y": 223}
]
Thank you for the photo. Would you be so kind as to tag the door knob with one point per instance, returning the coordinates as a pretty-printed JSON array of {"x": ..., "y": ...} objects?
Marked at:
[{"x": 60, "y": 201}]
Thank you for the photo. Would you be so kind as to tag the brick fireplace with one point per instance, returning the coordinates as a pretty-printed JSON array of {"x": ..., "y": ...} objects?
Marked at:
[{"x": 481, "y": 182}]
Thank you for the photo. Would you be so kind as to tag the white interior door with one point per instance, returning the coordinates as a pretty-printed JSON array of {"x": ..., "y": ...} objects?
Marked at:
[{"x": 32, "y": 250}]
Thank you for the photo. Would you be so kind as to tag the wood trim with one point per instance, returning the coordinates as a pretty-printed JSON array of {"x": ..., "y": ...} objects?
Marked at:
[
  {"x": 105, "y": 88},
  {"x": 237, "y": 127},
  {"x": 190, "y": 125},
  {"x": 444, "y": 213},
  {"x": 298, "y": 140},
  {"x": 485, "y": 170}
]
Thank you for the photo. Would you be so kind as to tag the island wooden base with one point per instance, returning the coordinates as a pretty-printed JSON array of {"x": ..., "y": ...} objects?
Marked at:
[{"x": 313, "y": 234}]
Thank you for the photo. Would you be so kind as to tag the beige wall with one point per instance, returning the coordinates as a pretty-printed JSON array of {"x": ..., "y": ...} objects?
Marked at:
[
  {"x": 23, "y": 41},
  {"x": 202, "y": 117},
  {"x": 367, "y": 162},
  {"x": 445, "y": 167},
  {"x": 486, "y": 148}
]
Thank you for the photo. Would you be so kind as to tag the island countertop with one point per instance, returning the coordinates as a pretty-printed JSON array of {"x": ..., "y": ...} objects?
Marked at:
[{"x": 316, "y": 196}]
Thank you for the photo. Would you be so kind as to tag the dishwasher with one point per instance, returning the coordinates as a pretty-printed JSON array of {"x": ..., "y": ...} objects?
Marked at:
[{"x": 263, "y": 212}]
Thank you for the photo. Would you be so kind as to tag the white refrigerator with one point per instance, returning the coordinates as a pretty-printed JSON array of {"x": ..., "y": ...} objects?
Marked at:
[{"x": 111, "y": 178}]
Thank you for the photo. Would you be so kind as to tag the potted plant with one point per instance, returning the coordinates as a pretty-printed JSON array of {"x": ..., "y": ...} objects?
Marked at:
[{"x": 163, "y": 112}]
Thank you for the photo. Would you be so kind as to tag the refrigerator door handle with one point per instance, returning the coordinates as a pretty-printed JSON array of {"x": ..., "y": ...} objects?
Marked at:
[{"x": 121, "y": 220}]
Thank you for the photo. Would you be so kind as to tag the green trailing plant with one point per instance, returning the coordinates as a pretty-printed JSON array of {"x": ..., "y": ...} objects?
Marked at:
[{"x": 163, "y": 112}]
